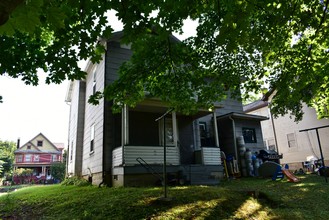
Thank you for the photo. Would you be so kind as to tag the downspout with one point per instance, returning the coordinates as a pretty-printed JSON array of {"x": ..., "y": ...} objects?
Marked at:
[
  {"x": 234, "y": 139},
  {"x": 104, "y": 123}
]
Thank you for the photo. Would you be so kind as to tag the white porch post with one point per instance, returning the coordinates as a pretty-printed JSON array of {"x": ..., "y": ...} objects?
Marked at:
[
  {"x": 216, "y": 129},
  {"x": 125, "y": 126},
  {"x": 174, "y": 124},
  {"x": 43, "y": 172}
]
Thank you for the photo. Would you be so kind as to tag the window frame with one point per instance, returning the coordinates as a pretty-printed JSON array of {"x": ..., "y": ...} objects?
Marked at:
[
  {"x": 292, "y": 143},
  {"x": 92, "y": 138},
  {"x": 38, "y": 143},
  {"x": 29, "y": 156},
  {"x": 247, "y": 138}
]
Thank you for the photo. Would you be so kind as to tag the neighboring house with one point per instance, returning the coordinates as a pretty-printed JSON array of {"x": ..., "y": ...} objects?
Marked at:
[
  {"x": 126, "y": 149},
  {"x": 38, "y": 154},
  {"x": 283, "y": 134}
]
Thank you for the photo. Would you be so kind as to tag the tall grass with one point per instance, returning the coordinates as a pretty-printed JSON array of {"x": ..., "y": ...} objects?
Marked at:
[{"x": 245, "y": 198}]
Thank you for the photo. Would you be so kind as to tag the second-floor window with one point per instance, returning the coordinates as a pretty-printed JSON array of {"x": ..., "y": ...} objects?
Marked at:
[
  {"x": 39, "y": 143},
  {"x": 54, "y": 157},
  {"x": 28, "y": 158},
  {"x": 36, "y": 158},
  {"x": 19, "y": 158},
  {"x": 291, "y": 140}
]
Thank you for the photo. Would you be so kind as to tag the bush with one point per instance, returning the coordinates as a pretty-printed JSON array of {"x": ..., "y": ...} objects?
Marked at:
[
  {"x": 57, "y": 170},
  {"x": 75, "y": 181}
]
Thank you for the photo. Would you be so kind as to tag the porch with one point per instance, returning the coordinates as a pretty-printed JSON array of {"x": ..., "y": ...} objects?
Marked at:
[{"x": 145, "y": 130}]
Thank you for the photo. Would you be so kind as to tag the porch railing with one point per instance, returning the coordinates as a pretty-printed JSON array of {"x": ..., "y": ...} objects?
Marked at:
[{"x": 126, "y": 155}]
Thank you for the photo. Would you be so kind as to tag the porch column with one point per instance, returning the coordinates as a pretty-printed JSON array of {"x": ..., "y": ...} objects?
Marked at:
[
  {"x": 43, "y": 172},
  {"x": 125, "y": 126},
  {"x": 174, "y": 124},
  {"x": 216, "y": 129}
]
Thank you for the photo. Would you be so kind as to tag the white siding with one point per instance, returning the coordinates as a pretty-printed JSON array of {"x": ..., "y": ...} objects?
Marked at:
[
  {"x": 211, "y": 156},
  {"x": 151, "y": 155},
  {"x": 306, "y": 142},
  {"x": 76, "y": 123}
]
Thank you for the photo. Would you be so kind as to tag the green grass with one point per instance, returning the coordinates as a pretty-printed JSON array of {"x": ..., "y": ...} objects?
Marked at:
[{"x": 246, "y": 198}]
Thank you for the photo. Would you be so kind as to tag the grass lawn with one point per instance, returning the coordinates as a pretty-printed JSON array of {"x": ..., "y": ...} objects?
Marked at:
[{"x": 246, "y": 198}]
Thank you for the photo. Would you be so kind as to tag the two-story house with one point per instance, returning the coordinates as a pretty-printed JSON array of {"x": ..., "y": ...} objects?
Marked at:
[
  {"x": 127, "y": 149},
  {"x": 38, "y": 154}
]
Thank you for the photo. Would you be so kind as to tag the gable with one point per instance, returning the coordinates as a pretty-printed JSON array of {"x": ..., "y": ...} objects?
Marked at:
[
  {"x": 29, "y": 146},
  {"x": 39, "y": 144},
  {"x": 42, "y": 143}
]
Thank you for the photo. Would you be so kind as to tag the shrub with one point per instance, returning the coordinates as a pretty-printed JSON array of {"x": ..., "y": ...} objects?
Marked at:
[
  {"x": 57, "y": 170},
  {"x": 75, "y": 181}
]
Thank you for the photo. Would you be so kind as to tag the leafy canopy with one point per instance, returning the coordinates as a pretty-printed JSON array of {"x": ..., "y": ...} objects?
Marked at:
[
  {"x": 240, "y": 44},
  {"x": 7, "y": 149}
]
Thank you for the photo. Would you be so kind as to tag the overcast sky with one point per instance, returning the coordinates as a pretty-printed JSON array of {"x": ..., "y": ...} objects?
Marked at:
[{"x": 28, "y": 110}]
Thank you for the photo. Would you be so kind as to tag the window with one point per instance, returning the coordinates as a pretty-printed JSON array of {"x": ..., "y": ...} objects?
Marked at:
[
  {"x": 19, "y": 158},
  {"x": 203, "y": 133},
  {"x": 39, "y": 143},
  {"x": 249, "y": 135},
  {"x": 291, "y": 140},
  {"x": 54, "y": 157},
  {"x": 36, "y": 158},
  {"x": 71, "y": 152},
  {"x": 94, "y": 82},
  {"x": 92, "y": 137},
  {"x": 271, "y": 144},
  {"x": 169, "y": 132},
  {"x": 29, "y": 147},
  {"x": 28, "y": 158}
]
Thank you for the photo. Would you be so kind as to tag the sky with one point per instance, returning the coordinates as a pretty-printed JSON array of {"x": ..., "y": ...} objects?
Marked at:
[{"x": 29, "y": 110}]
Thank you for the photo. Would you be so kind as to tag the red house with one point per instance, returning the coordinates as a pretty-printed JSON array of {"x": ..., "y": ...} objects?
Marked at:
[{"x": 37, "y": 154}]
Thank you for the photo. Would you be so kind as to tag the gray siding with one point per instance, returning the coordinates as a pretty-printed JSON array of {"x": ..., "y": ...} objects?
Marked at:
[
  {"x": 115, "y": 56},
  {"x": 94, "y": 114},
  {"x": 239, "y": 124}
]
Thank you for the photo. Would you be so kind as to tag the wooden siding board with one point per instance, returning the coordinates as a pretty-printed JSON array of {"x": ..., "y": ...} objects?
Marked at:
[
  {"x": 152, "y": 155},
  {"x": 211, "y": 156},
  {"x": 94, "y": 115}
]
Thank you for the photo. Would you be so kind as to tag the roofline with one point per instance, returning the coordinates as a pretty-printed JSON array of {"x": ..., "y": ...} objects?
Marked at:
[
  {"x": 265, "y": 103},
  {"x": 243, "y": 116},
  {"x": 30, "y": 141}
]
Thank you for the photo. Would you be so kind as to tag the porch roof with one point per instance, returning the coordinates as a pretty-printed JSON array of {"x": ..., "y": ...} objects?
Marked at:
[
  {"x": 158, "y": 106},
  {"x": 243, "y": 116}
]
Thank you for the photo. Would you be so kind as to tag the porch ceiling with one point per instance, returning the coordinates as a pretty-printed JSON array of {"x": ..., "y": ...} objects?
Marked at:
[{"x": 157, "y": 106}]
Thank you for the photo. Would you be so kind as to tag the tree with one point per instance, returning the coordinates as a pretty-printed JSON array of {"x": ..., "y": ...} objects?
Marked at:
[
  {"x": 57, "y": 170},
  {"x": 241, "y": 44},
  {"x": 7, "y": 149}
]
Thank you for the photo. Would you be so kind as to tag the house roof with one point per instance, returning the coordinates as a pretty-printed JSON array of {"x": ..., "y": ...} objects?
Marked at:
[
  {"x": 35, "y": 148},
  {"x": 254, "y": 106},
  {"x": 244, "y": 116}
]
